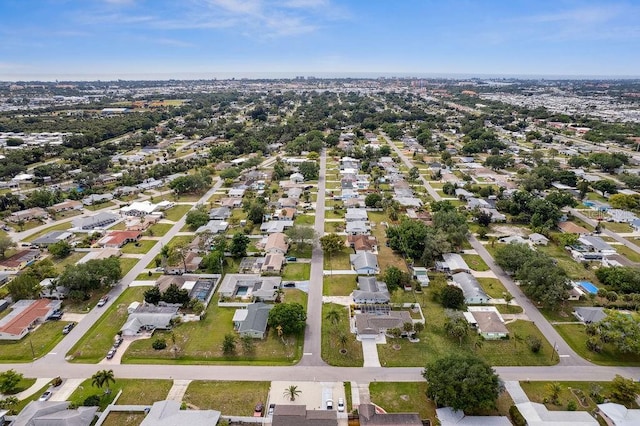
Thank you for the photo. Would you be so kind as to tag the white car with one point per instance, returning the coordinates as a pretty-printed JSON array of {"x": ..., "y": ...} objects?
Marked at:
[
  {"x": 45, "y": 396},
  {"x": 329, "y": 404},
  {"x": 340, "y": 404}
]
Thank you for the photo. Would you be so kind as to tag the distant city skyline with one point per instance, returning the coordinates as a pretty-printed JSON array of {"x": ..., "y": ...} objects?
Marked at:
[{"x": 203, "y": 39}]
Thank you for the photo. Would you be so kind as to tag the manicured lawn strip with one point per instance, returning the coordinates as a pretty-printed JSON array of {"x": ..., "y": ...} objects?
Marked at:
[
  {"x": 159, "y": 229},
  {"x": 56, "y": 227},
  {"x": 403, "y": 397},
  {"x": 576, "y": 337},
  {"x": 127, "y": 263},
  {"x": 120, "y": 226},
  {"x": 120, "y": 418},
  {"x": 201, "y": 342},
  {"x": 140, "y": 247},
  {"x": 537, "y": 392},
  {"x": 43, "y": 339},
  {"x": 238, "y": 398},
  {"x": 509, "y": 309},
  {"x": 176, "y": 212},
  {"x": 339, "y": 285},
  {"x": 582, "y": 223},
  {"x": 330, "y": 343},
  {"x": 188, "y": 198},
  {"x": 627, "y": 252},
  {"x": 23, "y": 385},
  {"x": 348, "y": 396},
  {"x": 305, "y": 219},
  {"x": 134, "y": 391},
  {"x": 475, "y": 262},
  {"x": 93, "y": 346},
  {"x": 493, "y": 287},
  {"x": 72, "y": 259},
  {"x": 296, "y": 272},
  {"x": 146, "y": 277},
  {"x": 338, "y": 260}
]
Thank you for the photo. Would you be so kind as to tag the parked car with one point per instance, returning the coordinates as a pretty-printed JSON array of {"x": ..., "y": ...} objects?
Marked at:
[
  {"x": 340, "y": 404},
  {"x": 291, "y": 259},
  {"x": 270, "y": 411},
  {"x": 55, "y": 315},
  {"x": 257, "y": 411},
  {"x": 117, "y": 342},
  {"x": 289, "y": 284},
  {"x": 111, "y": 353},
  {"x": 45, "y": 396},
  {"x": 67, "y": 328},
  {"x": 103, "y": 301},
  {"x": 329, "y": 404}
]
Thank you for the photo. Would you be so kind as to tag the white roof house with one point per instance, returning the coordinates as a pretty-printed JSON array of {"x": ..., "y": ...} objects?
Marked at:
[
  {"x": 450, "y": 417},
  {"x": 537, "y": 415},
  {"x": 451, "y": 263},
  {"x": 473, "y": 292},
  {"x": 139, "y": 208},
  {"x": 619, "y": 415},
  {"x": 168, "y": 413}
]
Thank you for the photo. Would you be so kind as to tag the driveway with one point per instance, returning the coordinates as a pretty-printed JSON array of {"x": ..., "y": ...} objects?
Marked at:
[{"x": 370, "y": 353}]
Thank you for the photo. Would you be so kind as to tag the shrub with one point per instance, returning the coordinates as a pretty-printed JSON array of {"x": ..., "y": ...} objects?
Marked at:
[
  {"x": 535, "y": 344},
  {"x": 516, "y": 417},
  {"x": 571, "y": 406},
  {"x": 91, "y": 401},
  {"x": 159, "y": 344}
]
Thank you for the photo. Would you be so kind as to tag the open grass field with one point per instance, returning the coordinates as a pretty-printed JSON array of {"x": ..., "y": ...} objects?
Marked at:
[
  {"x": 127, "y": 263},
  {"x": 618, "y": 227},
  {"x": 57, "y": 227},
  {"x": 538, "y": 392},
  {"x": 576, "y": 337},
  {"x": 475, "y": 262},
  {"x": 627, "y": 252},
  {"x": 301, "y": 252},
  {"x": 42, "y": 340},
  {"x": 305, "y": 219},
  {"x": 159, "y": 229},
  {"x": 176, "y": 212},
  {"x": 93, "y": 346},
  {"x": 139, "y": 247},
  {"x": 201, "y": 342},
  {"x": 339, "y": 285},
  {"x": 181, "y": 240},
  {"x": 403, "y": 397},
  {"x": 338, "y": 260},
  {"x": 94, "y": 207},
  {"x": 296, "y": 271},
  {"x": 386, "y": 256},
  {"x": 238, "y": 398},
  {"x": 146, "y": 277},
  {"x": 72, "y": 259},
  {"x": 134, "y": 391},
  {"x": 435, "y": 343},
  {"x": 116, "y": 418},
  {"x": 493, "y": 287},
  {"x": 332, "y": 345}
]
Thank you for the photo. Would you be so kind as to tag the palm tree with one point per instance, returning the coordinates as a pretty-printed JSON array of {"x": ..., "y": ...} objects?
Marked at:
[
  {"x": 554, "y": 390},
  {"x": 343, "y": 339},
  {"x": 292, "y": 391},
  {"x": 333, "y": 315},
  {"x": 102, "y": 378},
  {"x": 165, "y": 253}
]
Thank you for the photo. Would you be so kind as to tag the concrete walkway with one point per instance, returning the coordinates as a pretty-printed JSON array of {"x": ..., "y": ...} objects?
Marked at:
[
  {"x": 355, "y": 395},
  {"x": 64, "y": 392},
  {"x": 516, "y": 392},
  {"x": 370, "y": 353},
  {"x": 483, "y": 274},
  {"x": 39, "y": 384},
  {"x": 338, "y": 300},
  {"x": 177, "y": 391},
  {"x": 363, "y": 393}
]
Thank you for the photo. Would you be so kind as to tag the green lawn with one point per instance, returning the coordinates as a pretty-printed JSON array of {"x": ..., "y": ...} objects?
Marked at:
[
  {"x": 338, "y": 260},
  {"x": 237, "y": 398},
  {"x": 134, "y": 391},
  {"x": 127, "y": 263},
  {"x": 493, "y": 287},
  {"x": 575, "y": 336},
  {"x": 120, "y": 418},
  {"x": 305, "y": 219},
  {"x": 386, "y": 256},
  {"x": 617, "y": 227},
  {"x": 339, "y": 285},
  {"x": 159, "y": 229},
  {"x": 538, "y": 392},
  {"x": 23, "y": 403},
  {"x": 56, "y": 227},
  {"x": 72, "y": 259},
  {"x": 95, "y": 343},
  {"x": 201, "y": 342},
  {"x": 181, "y": 240},
  {"x": 331, "y": 345},
  {"x": 100, "y": 206},
  {"x": 189, "y": 198},
  {"x": 403, "y": 397},
  {"x": 139, "y": 247},
  {"x": 627, "y": 252},
  {"x": 574, "y": 270},
  {"x": 42, "y": 340},
  {"x": 296, "y": 272},
  {"x": 475, "y": 262},
  {"x": 146, "y": 277},
  {"x": 176, "y": 212}
]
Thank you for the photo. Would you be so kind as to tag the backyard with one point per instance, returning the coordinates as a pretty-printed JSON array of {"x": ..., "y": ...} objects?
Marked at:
[{"x": 405, "y": 397}]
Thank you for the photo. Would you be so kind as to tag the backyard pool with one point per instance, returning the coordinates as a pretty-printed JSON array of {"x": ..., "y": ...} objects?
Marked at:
[
  {"x": 588, "y": 287},
  {"x": 242, "y": 290}
]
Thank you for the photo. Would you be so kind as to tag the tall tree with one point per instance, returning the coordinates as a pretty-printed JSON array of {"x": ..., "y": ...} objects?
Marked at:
[
  {"x": 5, "y": 244},
  {"x": 103, "y": 378}
]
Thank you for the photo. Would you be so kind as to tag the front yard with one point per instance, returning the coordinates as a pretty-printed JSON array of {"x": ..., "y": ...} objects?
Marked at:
[
  {"x": 576, "y": 337},
  {"x": 41, "y": 341},
  {"x": 339, "y": 285},
  {"x": 134, "y": 392},
  {"x": 339, "y": 345},
  {"x": 176, "y": 212},
  {"x": 296, "y": 271},
  {"x": 139, "y": 247},
  {"x": 237, "y": 398}
]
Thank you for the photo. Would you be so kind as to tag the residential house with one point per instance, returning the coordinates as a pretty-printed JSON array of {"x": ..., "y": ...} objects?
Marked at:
[
  {"x": 589, "y": 315},
  {"x": 275, "y": 226},
  {"x": 139, "y": 208},
  {"x": 19, "y": 260},
  {"x": 536, "y": 414},
  {"x": 463, "y": 194},
  {"x": 356, "y": 215},
  {"x": 621, "y": 216},
  {"x": 618, "y": 415},
  {"x": 49, "y": 289},
  {"x": 370, "y": 290},
  {"x": 236, "y": 192},
  {"x": 420, "y": 275},
  {"x": 487, "y": 321},
  {"x": 24, "y": 315},
  {"x": 287, "y": 213},
  {"x": 450, "y": 417},
  {"x": 220, "y": 213},
  {"x": 230, "y": 202},
  {"x": 117, "y": 239},
  {"x": 286, "y": 203},
  {"x": 140, "y": 224},
  {"x": 360, "y": 243},
  {"x": 275, "y": 243},
  {"x": 96, "y": 199},
  {"x": 66, "y": 206},
  {"x": 148, "y": 184},
  {"x": 369, "y": 326},
  {"x": 473, "y": 292},
  {"x": 214, "y": 227},
  {"x": 364, "y": 263},
  {"x": 513, "y": 239},
  {"x": 538, "y": 239},
  {"x": 190, "y": 264},
  {"x": 99, "y": 220},
  {"x": 28, "y": 214},
  {"x": 357, "y": 228},
  {"x": 273, "y": 263},
  {"x": 247, "y": 286},
  {"x": 54, "y": 413},
  {"x": 170, "y": 413},
  {"x": 369, "y": 416},
  {"x": 52, "y": 238},
  {"x": 596, "y": 245},
  {"x": 199, "y": 286},
  {"x": 347, "y": 194},
  {"x": 252, "y": 321},
  {"x": 296, "y": 177},
  {"x": 452, "y": 263},
  {"x": 298, "y": 415},
  {"x": 144, "y": 316}
]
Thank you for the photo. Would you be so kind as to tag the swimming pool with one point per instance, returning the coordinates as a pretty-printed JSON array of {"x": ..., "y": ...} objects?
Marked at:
[
  {"x": 242, "y": 291},
  {"x": 588, "y": 286}
]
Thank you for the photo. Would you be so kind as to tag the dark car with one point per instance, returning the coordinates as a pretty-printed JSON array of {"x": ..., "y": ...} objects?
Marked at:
[
  {"x": 271, "y": 408},
  {"x": 111, "y": 353},
  {"x": 291, "y": 259},
  {"x": 67, "y": 328},
  {"x": 55, "y": 315},
  {"x": 289, "y": 284}
]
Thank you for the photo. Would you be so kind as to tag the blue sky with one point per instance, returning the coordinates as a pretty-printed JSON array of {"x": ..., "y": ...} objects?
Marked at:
[{"x": 181, "y": 38}]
